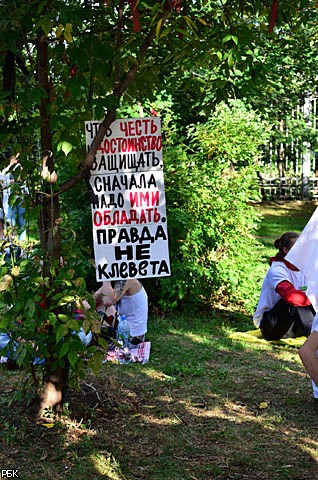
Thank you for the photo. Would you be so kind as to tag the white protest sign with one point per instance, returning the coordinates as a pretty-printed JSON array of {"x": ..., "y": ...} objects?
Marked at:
[
  {"x": 129, "y": 210},
  {"x": 304, "y": 253}
]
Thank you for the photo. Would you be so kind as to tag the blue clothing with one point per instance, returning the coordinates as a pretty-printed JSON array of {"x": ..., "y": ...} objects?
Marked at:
[
  {"x": 85, "y": 338},
  {"x": 16, "y": 219}
]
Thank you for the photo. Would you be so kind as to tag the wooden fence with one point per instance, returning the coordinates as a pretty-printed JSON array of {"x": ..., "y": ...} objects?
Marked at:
[{"x": 288, "y": 188}]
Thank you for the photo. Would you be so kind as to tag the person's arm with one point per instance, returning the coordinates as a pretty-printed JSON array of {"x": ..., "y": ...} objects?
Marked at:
[
  {"x": 104, "y": 296},
  {"x": 291, "y": 295},
  {"x": 308, "y": 357},
  {"x": 120, "y": 288}
]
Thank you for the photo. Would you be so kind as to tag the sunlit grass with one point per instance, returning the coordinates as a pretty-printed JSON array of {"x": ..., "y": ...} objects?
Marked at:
[
  {"x": 212, "y": 404},
  {"x": 106, "y": 465}
]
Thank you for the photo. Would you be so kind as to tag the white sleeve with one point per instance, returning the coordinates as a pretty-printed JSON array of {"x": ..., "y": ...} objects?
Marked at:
[{"x": 278, "y": 273}]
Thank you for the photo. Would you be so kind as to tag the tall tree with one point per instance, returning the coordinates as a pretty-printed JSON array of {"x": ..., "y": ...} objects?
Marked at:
[{"x": 78, "y": 59}]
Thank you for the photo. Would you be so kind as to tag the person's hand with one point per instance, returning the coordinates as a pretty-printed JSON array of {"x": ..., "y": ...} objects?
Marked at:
[{"x": 102, "y": 300}]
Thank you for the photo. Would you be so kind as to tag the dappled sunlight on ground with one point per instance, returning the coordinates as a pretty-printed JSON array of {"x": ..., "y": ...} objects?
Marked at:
[
  {"x": 105, "y": 465},
  {"x": 231, "y": 411},
  {"x": 303, "y": 374},
  {"x": 204, "y": 340},
  {"x": 202, "y": 408},
  {"x": 308, "y": 445},
  {"x": 166, "y": 421},
  {"x": 189, "y": 338}
]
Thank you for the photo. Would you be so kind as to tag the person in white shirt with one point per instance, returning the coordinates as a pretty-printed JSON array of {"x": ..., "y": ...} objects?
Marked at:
[
  {"x": 285, "y": 307},
  {"x": 130, "y": 299}
]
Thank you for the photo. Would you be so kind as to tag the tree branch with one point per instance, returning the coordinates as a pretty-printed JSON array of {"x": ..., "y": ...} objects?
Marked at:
[
  {"x": 118, "y": 42},
  {"x": 118, "y": 92}
]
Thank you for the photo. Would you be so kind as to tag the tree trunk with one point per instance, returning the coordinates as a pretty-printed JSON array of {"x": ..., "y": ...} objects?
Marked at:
[{"x": 55, "y": 379}]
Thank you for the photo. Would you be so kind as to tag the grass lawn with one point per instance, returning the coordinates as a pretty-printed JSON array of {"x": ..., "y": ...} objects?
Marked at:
[
  {"x": 280, "y": 217},
  {"x": 209, "y": 405}
]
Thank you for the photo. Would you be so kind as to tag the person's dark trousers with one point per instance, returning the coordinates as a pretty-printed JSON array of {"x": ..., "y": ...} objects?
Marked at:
[{"x": 277, "y": 321}]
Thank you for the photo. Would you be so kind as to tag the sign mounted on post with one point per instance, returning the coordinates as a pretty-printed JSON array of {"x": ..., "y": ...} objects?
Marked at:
[{"x": 129, "y": 209}]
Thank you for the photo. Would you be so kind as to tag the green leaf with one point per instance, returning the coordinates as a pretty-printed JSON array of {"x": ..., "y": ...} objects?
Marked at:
[
  {"x": 227, "y": 38},
  {"x": 57, "y": 296},
  {"x": 158, "y": 28},
  {"x": 61, "y": 331},
  {"x": 230, "y": 59},
  {"x": 41, "y": 5},
  {"x": 30, "y": 306},
  {"x": 4, "y": 322},
  {"x": 65, "y": 146},
  {"x": 204, "y": 22},
  {"x": 59, "y": 30},
  {"x": 63, "y": 317},
  {"x": 21, "y": 353},
  {"x": 103, "y": 343},
  {"x": 181, "y": 291},
  {"x": 190, "y": 24},
  {"x": 52, "y": 318},
  {"x": 64, "y": 349},
  {"x": 96, "y": 361},
  {"x": 165, "y": 33},
  {"x": 46, "y": 25},
  {"x": 66, "y": 299},
  {"x": 72, "y": 358}
]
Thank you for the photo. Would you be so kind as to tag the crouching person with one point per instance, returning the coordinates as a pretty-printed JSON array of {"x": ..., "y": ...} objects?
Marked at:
[
  {"x": 285, "y": 308},
  {"x": 130, "y": 299},
  {"x": 308, "y": 353}
]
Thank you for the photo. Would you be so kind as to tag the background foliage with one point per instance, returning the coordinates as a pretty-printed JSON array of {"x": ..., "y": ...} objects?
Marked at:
[{"x": 211, "y": 182}]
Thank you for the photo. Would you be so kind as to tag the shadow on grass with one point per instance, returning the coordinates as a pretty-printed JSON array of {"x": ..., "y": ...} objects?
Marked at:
[{"x": 195, "y": 411}]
